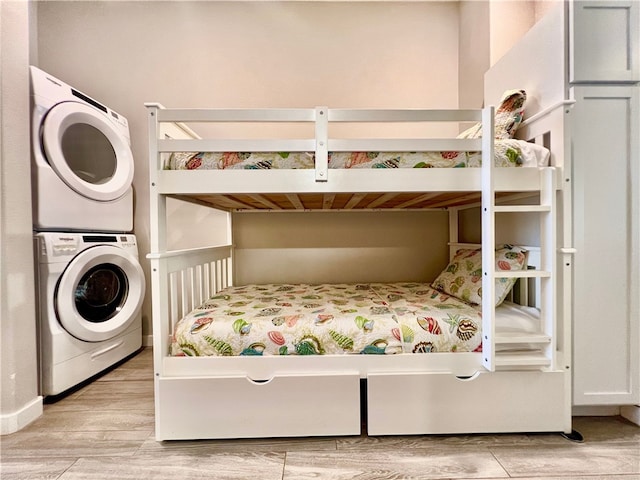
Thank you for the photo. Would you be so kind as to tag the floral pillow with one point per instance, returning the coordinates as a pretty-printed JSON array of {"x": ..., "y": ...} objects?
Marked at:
[
  {"x": 508, "y": 117},
  {"x": 463, "y": 276}
]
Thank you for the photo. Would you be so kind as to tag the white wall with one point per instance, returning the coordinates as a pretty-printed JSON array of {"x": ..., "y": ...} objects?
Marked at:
[
  {"x": 19, "y": 400},
  {"x": 248, "y": 54}
]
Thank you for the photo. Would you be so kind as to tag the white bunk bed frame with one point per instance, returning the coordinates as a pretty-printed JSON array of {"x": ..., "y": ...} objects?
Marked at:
[{"x": 492, "y": 391}]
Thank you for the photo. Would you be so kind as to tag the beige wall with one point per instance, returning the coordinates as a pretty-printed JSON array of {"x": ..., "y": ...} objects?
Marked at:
[
  {"x": 340, "y": 246},
  {"x": 19, "y": 400},
  {"x": 474, "y": 52},
  {"x": 509, "y": 20}
]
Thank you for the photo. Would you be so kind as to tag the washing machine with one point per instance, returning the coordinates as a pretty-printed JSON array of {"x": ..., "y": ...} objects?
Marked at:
[
  {"x": 90, "y": 289},
  {"x": 82, "y": 166}
]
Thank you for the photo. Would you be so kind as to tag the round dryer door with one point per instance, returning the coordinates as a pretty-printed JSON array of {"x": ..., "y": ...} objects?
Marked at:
[
  {"x": 87, "y": 151},
  {"x": 100, "y": 293}
]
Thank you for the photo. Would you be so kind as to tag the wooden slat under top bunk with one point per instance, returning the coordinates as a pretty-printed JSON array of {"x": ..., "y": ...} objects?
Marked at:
[{"x": 345, "y": 201}]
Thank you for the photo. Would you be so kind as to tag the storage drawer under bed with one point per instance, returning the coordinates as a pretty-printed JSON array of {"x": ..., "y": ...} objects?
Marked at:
[
  {"x": 238, "y": 407},
  {"x": 439, "y": 403}
]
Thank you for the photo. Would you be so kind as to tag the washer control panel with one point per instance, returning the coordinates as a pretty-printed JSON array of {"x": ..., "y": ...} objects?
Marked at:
[{"x": 56, "y": 246}]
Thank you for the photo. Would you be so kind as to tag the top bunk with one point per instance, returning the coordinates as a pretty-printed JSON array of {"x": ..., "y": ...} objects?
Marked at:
[{"x": 306, "y": 159}]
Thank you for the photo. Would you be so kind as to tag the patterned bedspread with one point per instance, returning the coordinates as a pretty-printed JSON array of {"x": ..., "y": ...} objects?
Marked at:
[
  {"x": 508, "y": 153},
  {"x": 305, "y": 319}
]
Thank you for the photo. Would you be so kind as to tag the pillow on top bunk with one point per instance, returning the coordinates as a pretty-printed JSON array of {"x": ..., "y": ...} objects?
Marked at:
[
  {"x": 508, "y": 117},
  {"x": 463, "y": 276}
]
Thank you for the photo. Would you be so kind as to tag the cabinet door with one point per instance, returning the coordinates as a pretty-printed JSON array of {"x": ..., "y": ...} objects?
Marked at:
[
  {"x": 604, "y": 37},
  {"x": 606, "y": 220}
]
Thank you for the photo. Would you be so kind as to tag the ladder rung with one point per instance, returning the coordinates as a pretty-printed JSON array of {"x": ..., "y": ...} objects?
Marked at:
[
  {"x": 522, "y": 208},
  {"x": 521, "y": 274},
  {"x": 513, "y": 338},
  {"x": 522, "y": 359}
]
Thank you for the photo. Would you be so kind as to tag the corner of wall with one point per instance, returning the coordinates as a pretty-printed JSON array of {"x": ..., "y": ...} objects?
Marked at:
[
  {"x": 33, "y": 32},
  {"x": 19, "y": 400},
  {"x": 12, "y": 422},
  {"x": 473, "y": 52}
]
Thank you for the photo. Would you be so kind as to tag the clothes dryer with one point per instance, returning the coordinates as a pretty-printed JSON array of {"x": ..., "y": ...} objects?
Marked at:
[
  {"x": 82, "y": 166},
  {"x": 90, "y": 292}
]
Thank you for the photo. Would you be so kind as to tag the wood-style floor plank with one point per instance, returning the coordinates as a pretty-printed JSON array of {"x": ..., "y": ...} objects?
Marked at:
[
  {"x": 393, "y": 464},
  {"x": 101, "y": 396},
  {"x": 34, "y": 468},
  {"x": 571, "y": 460},
  {"x": 71, "y": 444},
  {"x": 585, "y": 477},
  {"x": 153, "y": 447},
  {"x": 365, "y": 442},
  {"x": 242, "y": 466},
  {"x": 95, "y": 420}
]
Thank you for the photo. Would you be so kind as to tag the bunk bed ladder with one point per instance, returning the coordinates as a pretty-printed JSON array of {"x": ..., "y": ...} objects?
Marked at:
[
  {"x": 502, "y": 350},
  {"x": 534, "y": 349}
]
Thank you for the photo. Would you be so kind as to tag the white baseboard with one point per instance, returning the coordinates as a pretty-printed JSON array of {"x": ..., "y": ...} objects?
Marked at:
[
  {"x": 631, "y": 413},
  {"x": 147, "y": 340},
  {"x": 595, "y": 410},
  {"x": 12, "y": 422}
]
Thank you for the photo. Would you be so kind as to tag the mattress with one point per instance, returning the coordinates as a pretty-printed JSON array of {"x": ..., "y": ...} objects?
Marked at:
[
  {"x": 336, "y": 319},
  {"x": 508, "y": 153}
]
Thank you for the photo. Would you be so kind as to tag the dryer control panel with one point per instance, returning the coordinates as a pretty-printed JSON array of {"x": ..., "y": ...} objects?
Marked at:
[{"x": 49, "y": 91}]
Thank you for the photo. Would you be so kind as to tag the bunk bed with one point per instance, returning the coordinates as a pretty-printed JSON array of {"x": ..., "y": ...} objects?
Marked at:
[{"x": 228, "y": 360}]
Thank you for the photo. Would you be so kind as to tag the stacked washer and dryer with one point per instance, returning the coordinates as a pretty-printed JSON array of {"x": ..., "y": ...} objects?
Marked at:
[{"x": 90, "y": 285}]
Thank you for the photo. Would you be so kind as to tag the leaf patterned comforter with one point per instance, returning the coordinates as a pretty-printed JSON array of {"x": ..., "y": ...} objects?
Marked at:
[
  {"x": 508, "y": 153},
  {"x": 306, "y": 319}
]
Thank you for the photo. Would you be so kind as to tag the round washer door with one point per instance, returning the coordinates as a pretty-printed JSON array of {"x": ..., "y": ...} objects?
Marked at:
[
  {"x": 87, "y": 152},
  {"x": 100, "y": 293}
]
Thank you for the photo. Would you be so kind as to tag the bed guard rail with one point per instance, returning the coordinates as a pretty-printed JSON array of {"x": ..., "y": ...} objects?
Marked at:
[
  {"x": 321, "y": 144},
  {"x": 183, "y": 280}
]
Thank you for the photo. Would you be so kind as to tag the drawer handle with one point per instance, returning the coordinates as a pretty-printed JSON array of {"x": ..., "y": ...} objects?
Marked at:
[
  {"x": 468, "y": 378},
  {"x": 259, "y": 381}
]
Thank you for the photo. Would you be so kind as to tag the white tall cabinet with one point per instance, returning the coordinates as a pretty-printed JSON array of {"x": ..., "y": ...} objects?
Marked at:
[{"x": 603, "y": 77}]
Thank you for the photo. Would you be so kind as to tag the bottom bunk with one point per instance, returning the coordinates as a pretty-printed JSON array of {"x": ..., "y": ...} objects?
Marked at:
[{"x": 318, "y": 360}]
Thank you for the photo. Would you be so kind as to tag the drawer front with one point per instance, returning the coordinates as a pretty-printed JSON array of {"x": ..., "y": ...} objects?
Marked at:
[
  {"x": 437, "y": 403},
  {"x": 237, "y": 407}
]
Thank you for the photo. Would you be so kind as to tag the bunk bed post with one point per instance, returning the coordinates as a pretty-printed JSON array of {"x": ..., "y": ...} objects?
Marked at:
[
  {"x": 454, "y": 234},
  {"x": 567, "y": 251},
  {"x": 159, "y": 269},
  {"x": 157, "y": 202},
  {"x": 231, "y": 267},
  {"x": 488, "y": 240}
]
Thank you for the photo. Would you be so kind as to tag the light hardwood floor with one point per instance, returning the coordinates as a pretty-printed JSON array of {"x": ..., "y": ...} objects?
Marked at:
[{"x": 104, "y": 430}]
